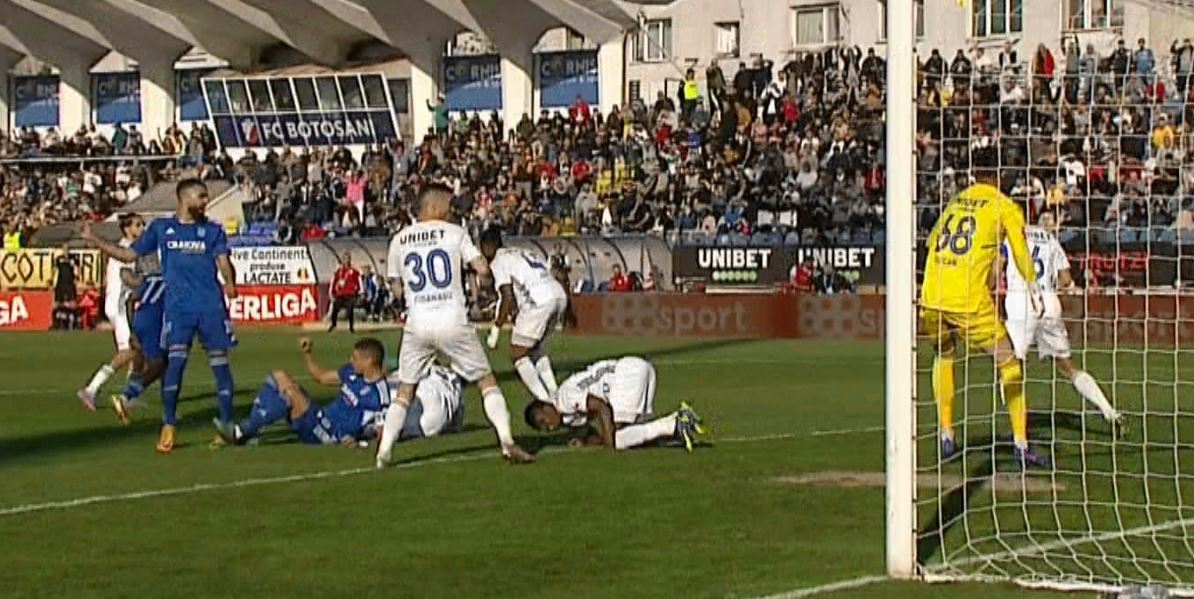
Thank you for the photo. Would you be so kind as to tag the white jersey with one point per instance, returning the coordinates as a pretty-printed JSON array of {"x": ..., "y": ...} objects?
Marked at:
[
  {"x": 429, "y": 258},
  {"x": 1048, "y": 258},
  {"x": 531, "y": 279},
  {"x": 573, "y": 397},
  {"x": 115, "y": 291},
  {"x": 626, "y": 384},
  {"x": 438, "y": 405}
]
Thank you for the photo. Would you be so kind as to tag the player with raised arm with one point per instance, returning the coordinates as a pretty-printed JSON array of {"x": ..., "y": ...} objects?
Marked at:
[
  {"x": 531, "y": 296},
  {"x": 145, "y": 304},
  {"x": 956, "y": 300},
  {"x": 115, "y": 295},
  {"x": 426, "y": 266},
  {"x": 1048, "y": 331},
  {"x": 364, "y": 394},
  {"x": 617, "y": 399},
  {"x": 193, "y": 251}
]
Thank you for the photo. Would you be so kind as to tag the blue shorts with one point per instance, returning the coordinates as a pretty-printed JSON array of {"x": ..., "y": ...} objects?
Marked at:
[
  {"x": 147, "y": 326},
  {"x": 314, "y": 428},
  {"x": 213, "y": 327}
]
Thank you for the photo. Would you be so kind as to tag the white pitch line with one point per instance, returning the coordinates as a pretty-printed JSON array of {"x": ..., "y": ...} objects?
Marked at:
[
  {"x": 833, "y": 587},
  {"x": 256, "y": 482}
]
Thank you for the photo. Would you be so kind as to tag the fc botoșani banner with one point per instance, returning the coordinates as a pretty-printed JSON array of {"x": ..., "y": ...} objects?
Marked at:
[
  {"x": 273, "y": 265},
  {"x": 337, "y": 128},
  {"x": 772, "y": 265}
]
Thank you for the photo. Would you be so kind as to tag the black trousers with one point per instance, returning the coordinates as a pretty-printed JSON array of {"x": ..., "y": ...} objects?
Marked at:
[{"x": 344, "y": 303}]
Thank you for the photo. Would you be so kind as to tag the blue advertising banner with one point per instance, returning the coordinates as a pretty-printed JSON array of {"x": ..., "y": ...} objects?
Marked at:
[
  {"x": 565, "y": 75},
  {"x": 35, "y": 101},
  {"x": 117, "y": 97},
  {"x": 472, "y": 82},
  {"x": 305, "y": 129},
  {"x": 191, "y": 106}
]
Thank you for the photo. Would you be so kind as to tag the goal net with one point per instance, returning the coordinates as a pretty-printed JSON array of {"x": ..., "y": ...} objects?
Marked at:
[{"x": 1112, "y": 162}]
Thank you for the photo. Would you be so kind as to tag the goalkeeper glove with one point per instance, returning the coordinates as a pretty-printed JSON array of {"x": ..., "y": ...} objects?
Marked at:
[
  {"x": 492, "y": 340},
  {"x": 1036, "y": 300}
]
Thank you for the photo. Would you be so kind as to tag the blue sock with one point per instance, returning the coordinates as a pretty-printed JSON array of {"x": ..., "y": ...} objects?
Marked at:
[
  {"x": 176, "y": 364},
  {"x": 133, "y": 388},
  {"x": 268, "y": 408},
  {"x": 223, "y": 374}
]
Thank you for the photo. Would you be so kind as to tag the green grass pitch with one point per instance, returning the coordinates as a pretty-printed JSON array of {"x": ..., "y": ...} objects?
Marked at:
[{"x": 455, "y": 522}]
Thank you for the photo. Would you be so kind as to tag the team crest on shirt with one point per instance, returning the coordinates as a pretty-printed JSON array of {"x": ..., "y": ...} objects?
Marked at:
[
  {"x": 201, "y": 232},
  {"x": 169, "y": 230}
]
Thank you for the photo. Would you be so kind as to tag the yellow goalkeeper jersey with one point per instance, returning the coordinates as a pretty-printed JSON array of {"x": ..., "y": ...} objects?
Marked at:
[{"x": 963, "y": 246}]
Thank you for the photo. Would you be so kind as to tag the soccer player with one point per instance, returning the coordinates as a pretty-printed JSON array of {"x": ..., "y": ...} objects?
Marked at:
[
  {"x": 115, "y": 294},
  {"x": 192, "y": 251},
  {"x": 616, "y": 397},
  {"x": 1048, "y": 332},
  {"x": 146, "y": 306},
  {"x": 352, "y": 417},
  {"x": 956, "y": 300},
  {"x": 541, "y": 303},
  {"x": 426, "y": 265}
]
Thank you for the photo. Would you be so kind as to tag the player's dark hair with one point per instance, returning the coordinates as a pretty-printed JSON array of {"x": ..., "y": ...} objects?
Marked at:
[
  {"x": 373, "y": 348},
  {"x": 187, "y": 185},
  {"x": 532, "y": 408},
  {"x": 125, "y": 220},
  {"x": 492, "y": 235},
  {"x": 984, "y": 162}
]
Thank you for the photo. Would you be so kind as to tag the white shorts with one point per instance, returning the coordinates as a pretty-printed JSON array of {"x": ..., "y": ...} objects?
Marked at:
[
  {"x": 459, "y": 343},
  {"x": 535, "y": 324},
  {"x": 121, "y": 330},
  {"x": 1025, "y": 329},
  {"x": 632, "y": 392}
]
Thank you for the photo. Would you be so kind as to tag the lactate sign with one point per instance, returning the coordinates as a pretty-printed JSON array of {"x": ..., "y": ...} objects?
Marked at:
[{"x": 281, "y": 265}]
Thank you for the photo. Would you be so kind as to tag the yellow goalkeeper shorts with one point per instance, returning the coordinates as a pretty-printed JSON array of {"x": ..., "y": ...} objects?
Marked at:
[{"x": 978, "y": 330}]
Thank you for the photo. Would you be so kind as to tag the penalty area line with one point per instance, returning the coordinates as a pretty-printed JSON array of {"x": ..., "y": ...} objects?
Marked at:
[
  {"x": 833, "y": 587},
  {"x": 275, "y": 480}
]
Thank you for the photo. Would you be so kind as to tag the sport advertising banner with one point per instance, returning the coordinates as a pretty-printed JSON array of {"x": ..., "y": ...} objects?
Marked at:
[
  {"x": 35, "y": 101},
  {"x": 275, "y": 265},
  {"x": 117, "y": 97},
  {"x": 26, "y": 310},
  {"x": 35, "y": 269},
  {"x": 773, "y": 265},
  {"x": 472, "y": 82},
  {"x": 275, "y": 304},
  {"x": 565, "y": 75}
]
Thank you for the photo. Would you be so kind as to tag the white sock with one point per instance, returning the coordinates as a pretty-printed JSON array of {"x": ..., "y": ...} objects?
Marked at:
[
  {"x": 546, "y": 375},
  {"x": 395, "y": 418},
  {"x": 100, "y": 377},
  {"x": 1089, "y": 389},
  {"x": 641, "y": 434},
  {"x": 498, "y": 414},
  {"x": 530, "y": 378}
]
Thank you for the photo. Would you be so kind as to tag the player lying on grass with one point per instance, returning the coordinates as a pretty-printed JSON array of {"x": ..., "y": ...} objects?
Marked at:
[
  {"x": 617, "y": 399},
  {"x": 145, "y": 304},
  {"x": 956, "y": 300},
  {"x": 1048, "y": 331},
  {"x": 115, "y": 308},
  {"x": 531, "y": 297}
]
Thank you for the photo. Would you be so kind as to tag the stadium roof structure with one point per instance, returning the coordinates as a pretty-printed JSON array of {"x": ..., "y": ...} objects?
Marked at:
[{"x": 73, "y": 35}]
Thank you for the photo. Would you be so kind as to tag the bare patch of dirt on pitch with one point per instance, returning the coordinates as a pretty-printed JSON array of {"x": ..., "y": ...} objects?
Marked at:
[{"x": 1004, "y": 483}]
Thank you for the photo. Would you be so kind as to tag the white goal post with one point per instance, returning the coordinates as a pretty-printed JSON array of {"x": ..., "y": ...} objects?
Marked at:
[{"x": 901, "y": 287}]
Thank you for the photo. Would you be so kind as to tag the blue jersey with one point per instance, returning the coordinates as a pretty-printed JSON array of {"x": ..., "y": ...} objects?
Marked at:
[
  {"x": 359, "y": 401},
  {"x": 151, "y": 292},
  {"x": 188, "y": 253}
]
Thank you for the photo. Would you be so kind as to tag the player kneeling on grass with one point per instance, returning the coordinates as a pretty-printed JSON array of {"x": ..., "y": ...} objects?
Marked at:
[
  {"x": 617, "y": 397},
  {"x": 364, "y": 395},
  {"x": 1048, "y": 331}
]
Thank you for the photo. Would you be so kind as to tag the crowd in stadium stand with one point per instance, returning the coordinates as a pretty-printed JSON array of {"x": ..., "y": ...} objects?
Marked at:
[{"x": 791, "y": 154}]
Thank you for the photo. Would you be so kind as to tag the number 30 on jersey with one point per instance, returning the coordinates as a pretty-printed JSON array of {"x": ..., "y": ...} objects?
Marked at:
[{"x": 436, "y": 269}]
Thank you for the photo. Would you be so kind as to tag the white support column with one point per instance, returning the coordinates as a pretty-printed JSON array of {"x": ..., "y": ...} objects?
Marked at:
[
  {"x": 901, "y": 285},
  {"x": 158, "y": 104},
  {"x": 424, "y": 90},
  {"x": 5, "y": 111},
  {"x": 74, "y": 97},
  {"x": 611, "y": 69},
  {"x": 518, "y": 85}
]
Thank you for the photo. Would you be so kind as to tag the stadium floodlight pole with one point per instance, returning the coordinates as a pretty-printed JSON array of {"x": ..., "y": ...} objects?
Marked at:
[{"x": 900, "y": 284}]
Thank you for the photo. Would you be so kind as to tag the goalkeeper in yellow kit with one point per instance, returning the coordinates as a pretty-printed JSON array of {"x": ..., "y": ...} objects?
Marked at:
[{"x": 956, "y": 299}]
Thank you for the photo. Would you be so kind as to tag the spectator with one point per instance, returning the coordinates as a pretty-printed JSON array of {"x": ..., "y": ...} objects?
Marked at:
[
  {"x": 803, "y": 275},
  {"x": 1183, "y": 64},
  {"x": 66, "y": 294},
  {"x": 12, "y": 236},
  {"x": 829, "y": 282},
  {"x": 346, "y": 287},
  {"x": 618, "y": 281},
  {"x": 440, "y": 113},
  {"x": 1145, "y": 61}
]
